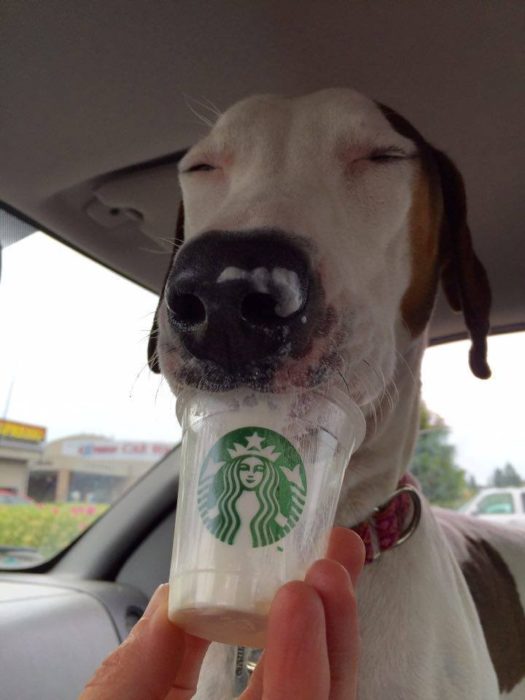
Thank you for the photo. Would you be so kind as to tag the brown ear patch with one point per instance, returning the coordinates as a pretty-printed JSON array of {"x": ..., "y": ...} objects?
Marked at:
[
  {"x": 425, "y": 217},
  {"x": 463, "y": 277},
  {"x": 425, "y": 229},
  {"x": 500, "y": 611}
]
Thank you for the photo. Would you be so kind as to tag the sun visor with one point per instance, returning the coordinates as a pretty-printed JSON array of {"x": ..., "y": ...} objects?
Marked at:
[{"x": 149, "y": 198}]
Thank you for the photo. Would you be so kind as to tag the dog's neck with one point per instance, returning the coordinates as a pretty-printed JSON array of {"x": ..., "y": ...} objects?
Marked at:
[{"x": 375, "y": 469}]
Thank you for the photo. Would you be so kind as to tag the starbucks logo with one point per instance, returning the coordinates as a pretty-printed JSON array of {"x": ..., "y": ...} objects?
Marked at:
[{"x": 252, "y": 487}]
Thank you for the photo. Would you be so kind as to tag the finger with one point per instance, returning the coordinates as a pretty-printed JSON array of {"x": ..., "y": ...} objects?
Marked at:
[
  {"x": 346, "y": 547},
  {"x": 295, "y": 659},
  {"x": 185, "y": 684},
  {"x": 146, "y": 664},
  {"x": 333, "y": 585}
]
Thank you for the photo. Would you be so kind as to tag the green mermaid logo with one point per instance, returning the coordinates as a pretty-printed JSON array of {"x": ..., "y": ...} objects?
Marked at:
[{"x": 252, "y": 487}]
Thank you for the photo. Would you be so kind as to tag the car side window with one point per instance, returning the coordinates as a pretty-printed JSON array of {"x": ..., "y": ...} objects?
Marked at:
[
  {"x": 496, "y": 504},
  {"x": 81, "y": 416}
]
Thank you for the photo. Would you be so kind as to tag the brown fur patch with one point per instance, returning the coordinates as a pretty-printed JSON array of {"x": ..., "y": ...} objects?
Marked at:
[
  {"x": 425, "y": 218},
  {"x": 500, "y": 611},
  {"x": 463, "y": 277}
]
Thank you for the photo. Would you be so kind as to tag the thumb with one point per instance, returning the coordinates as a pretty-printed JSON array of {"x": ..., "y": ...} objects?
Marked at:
[{"x": 147, "y": 665}]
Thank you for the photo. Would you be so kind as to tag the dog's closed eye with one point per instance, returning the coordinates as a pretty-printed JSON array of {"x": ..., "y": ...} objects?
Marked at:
[
  {"x": 198, "y": 167},
  {"x": 389, "y": 155}
]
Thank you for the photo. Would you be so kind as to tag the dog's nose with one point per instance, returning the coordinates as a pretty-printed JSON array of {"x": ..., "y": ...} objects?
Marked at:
[{"x": 239, "y": 298}]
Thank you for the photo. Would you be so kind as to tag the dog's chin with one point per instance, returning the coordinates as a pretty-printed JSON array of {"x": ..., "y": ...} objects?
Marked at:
[
  {"x": 272, "y": 376},
  {"x": 208, "y": 376}
]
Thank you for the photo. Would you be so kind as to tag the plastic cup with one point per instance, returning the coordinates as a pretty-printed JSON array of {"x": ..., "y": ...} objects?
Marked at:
[{"x": 259, "y": 484}]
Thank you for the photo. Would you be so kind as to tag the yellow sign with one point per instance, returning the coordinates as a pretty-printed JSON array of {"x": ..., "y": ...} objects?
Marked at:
[{"x": 21, "y": 431}]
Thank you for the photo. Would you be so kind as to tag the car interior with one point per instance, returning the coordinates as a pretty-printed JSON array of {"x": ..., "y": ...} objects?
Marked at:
[{"x": 99, "y": 102}]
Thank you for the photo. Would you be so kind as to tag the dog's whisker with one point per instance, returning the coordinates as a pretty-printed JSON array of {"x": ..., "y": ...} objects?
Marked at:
[
  {"x": 193, "y": 109},
  {"x": 407, "y": 366},
  {"x": 368, "y": 388},
  {"x": 153, "y": 251},
  {"x": 206, "y": 104},
  {"x": 137, "y": 377},
  {"x": 210, "y": 106},
  {"x": 389, "y": 390},
  {"x": 164, "y": 239},
  {"x": 343, "y": 379},
  {"x": 387, "y": 393},
  {"x": 159, "y": 388},
  {"x": 378, "y": 374}
]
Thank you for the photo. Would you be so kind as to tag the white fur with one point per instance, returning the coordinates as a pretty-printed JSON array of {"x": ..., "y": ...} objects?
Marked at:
[{"x": 302, "y": 165}]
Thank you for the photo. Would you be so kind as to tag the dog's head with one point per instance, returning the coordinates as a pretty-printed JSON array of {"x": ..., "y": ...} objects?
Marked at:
[{"x": 315, "y": 233}]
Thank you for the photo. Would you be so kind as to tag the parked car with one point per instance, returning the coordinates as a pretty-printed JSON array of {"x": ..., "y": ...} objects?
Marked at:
[{"x": 499, "y": 505}]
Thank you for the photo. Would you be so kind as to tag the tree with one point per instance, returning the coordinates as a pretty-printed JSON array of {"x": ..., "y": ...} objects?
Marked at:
[
  {"x": 472, "y": 485},
  {"x": 507, "y": 476},
  {"x": 442, "y": 481}
]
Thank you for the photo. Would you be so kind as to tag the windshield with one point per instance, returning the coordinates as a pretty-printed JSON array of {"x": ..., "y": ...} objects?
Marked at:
[{"x": 81, "y": 415}]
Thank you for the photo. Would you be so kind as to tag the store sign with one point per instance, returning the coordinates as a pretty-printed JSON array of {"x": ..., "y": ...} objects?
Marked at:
[
  {"x": 104, "y": 450},
  {"x": 21, "y": 431}
]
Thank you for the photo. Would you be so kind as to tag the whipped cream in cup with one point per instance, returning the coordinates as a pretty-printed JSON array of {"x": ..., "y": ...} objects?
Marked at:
[{"x": 259, "y": 484}]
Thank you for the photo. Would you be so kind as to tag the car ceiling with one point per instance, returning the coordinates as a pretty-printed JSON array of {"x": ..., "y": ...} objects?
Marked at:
[{"x": 89, "y": 89}]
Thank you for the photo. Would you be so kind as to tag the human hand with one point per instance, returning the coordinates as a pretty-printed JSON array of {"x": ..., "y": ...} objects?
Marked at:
[
  {"x": 156, "y": 661},
  {"x": 312, "y": 648},
  {"x": 312, "y": 642}
]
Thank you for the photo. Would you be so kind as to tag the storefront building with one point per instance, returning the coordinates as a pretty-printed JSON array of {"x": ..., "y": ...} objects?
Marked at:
[
  {"x": 20, "y": 444},
  {"x": 90, "y": 468}
]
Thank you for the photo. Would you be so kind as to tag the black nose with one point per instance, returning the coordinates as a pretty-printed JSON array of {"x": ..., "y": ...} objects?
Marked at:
[{"x": 241, "y": 299}]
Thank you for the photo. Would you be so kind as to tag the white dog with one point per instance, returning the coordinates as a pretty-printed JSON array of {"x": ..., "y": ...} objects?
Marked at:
[{"x": 316, "y": 231}]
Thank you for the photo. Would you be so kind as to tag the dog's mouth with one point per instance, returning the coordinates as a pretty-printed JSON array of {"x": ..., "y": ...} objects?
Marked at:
[
  {"x": 335, "y": 358},
  {"x": 278, "y": 372},
  {"x": 210, "y": 376}
]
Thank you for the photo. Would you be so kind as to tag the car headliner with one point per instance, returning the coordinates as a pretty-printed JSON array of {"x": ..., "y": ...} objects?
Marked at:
[{"x": 89, "y": 89}]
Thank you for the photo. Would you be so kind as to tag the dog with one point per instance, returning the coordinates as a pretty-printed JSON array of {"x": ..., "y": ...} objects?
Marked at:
[{"x": 314, "y": 234}]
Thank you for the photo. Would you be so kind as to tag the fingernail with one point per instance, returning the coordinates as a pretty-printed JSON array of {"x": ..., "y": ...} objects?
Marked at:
[{"x": 156, "y": 599}]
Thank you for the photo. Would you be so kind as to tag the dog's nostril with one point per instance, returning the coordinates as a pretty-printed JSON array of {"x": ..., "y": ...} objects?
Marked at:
[
  {"x": 187, "y": 310},
  {"x": 259, "y": 308}
]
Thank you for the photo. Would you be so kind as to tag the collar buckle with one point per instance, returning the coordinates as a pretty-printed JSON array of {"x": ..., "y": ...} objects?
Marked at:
[{"x": 371, "y": 530}]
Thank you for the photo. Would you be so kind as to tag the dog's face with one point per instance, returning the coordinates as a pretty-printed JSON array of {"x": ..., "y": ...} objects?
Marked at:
[{"x": 315, "y": 230}]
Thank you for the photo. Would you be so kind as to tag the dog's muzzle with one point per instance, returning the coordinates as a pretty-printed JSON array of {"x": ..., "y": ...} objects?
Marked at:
[{"x": 243, "y": 301}]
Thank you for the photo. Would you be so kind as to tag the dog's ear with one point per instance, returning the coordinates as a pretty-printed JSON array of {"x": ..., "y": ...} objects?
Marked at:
[
  {"x": 463, "y": 277},
  {"x": 153, "y": 357}
]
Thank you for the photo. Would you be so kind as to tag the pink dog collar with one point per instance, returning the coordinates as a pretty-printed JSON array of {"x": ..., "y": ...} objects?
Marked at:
[{"x": 386, "y": 527}]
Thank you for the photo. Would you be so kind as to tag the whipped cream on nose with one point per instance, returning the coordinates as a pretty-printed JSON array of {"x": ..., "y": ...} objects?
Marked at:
[{"x": 284, "y": 285}]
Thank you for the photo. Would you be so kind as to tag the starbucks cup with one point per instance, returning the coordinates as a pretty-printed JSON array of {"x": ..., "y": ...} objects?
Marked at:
[{"x": 259, "y": 484}]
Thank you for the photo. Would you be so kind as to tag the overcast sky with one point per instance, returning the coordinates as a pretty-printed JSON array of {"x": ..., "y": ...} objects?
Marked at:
[{"x": 73, "y": 359}]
